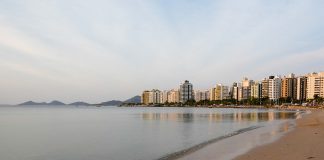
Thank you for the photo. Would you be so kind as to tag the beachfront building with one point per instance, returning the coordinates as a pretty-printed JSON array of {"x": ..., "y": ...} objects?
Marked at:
[
  {"x": 155, "y": 96},
  {"x": 301, "y": 88},
  {"x": 274, "y": 83},
  {"x": 174, "y": 96},
  {"x": 145, "y": 97},
  {"x": 186, "y": 91},
  {"x": 201, "y": 95},
  {"x": 246, "y": 88},
  {"x": 164, "y": 96},
  {"x": 256, "y": 90},
  {"x": 151, "y": 97},
  {"x": 289, "y": 87},
  {"x": 315, "y": 85},
  {"x": 219, "y": 92},
  {"x": 265, "y": 88}
]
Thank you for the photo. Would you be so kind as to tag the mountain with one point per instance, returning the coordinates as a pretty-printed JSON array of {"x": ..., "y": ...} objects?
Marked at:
[
  {"x": 53, "y": 103},
  {"x": 79, "y": 104},
  {"x": 56, "y": 103},
  {"x": 111, "y": 103},
  {"x": 135, "y": 99},
  {"x": 32, "y": 103}
]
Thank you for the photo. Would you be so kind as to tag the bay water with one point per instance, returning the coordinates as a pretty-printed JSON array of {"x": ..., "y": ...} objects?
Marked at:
[{"x": 120, "y": 133}]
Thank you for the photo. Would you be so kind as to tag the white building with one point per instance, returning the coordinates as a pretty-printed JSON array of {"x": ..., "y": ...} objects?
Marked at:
[
  {"x": 274, "y": 83},
  {"x": 155, "y": 96},
  {"x": 315, "y": 85},
  {"x": 201, "y": 95}
]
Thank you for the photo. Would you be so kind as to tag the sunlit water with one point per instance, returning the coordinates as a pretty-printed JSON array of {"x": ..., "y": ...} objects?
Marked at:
[{"x": 118, "y": 133}]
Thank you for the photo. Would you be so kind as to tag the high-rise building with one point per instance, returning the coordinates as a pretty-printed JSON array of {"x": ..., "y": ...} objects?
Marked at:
[
  {"x": 174, "y": 96},
  {"x": 274, "y": 83},
  {"x": 265, "y": 88},
  {"x": 164, "y": 96},
  {"x": 234, "y": 91},
  {"x": 256, "y": 90},
  {"x": 302, "y": 88},
  {"x": 219, "y": 92},
  {"x": 155, "y": 96},
  {"x": 186, "y": 92},
  {"x": 315, "y": 85},
  {"x": 246, "y": 88},
  {"x": 289, "y": 87},
  {"x": 145, "y": 97},
  {"x": 201, "y": 95}
]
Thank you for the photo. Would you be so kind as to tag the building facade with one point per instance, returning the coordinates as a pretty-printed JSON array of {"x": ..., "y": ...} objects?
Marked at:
[
  {"x": 186, "y": 92},
  {"x": 256, "y": 90},
  {"x": 289, "y": 87},
  {"x": 274, "y": 83},
  {"x": 301, "y": 89},
  {"x": 174, "y": 96},
  {"x": 315, "y": 85}
]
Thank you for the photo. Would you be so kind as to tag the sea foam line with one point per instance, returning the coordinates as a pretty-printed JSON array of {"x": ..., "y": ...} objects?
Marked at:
[{"x": 186, "y": 151}]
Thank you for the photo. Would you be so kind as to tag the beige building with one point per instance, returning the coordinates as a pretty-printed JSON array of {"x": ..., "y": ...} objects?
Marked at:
[
  {"x": 289, "y": 87},
  {"x": 265, "y": 88},
  {"x": 145, "y": 97},
  {"x": 315, "y": 85},
  {"x": 219, "y": 92},
  {"x": 174, "y": 96},
  {"x": 151, "y": 97},
  {"x": 201, "y": 95},
  {"x": 256, "y": 89}
]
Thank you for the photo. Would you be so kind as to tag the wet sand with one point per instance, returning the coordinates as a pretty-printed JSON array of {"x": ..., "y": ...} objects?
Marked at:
[{"x": 306, "y": 141}]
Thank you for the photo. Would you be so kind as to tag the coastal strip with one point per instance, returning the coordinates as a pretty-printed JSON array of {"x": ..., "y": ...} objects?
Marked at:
[
  {"x": 306, "y": 141},
  {"x": 194, "y": 148}
]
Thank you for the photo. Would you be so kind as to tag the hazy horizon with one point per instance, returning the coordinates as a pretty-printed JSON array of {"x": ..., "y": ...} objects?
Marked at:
[{"x": 94, "y": 51}]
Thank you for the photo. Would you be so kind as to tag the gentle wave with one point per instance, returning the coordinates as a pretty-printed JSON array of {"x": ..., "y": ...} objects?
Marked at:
[{"x": 184, "y": 152}]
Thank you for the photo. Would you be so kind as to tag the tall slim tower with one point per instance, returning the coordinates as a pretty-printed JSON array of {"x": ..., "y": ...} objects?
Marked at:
[{"x": 186, "y": 92}]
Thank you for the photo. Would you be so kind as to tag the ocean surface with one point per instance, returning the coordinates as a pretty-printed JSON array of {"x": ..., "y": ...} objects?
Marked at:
[{"x": 120, "y": 133}]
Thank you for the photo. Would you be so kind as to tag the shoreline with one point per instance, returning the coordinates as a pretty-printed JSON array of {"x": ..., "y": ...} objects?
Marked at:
[{"x": 306, "y": 141}]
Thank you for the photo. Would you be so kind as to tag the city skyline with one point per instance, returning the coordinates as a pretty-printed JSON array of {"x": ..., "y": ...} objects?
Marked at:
[{"x": 97, "y": 51}]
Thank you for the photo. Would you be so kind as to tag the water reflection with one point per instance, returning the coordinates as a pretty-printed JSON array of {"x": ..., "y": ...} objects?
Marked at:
[{"x": 221, "y": 117}]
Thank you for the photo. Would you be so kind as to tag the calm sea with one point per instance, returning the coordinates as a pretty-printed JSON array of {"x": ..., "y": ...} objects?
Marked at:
[{"x": 118, "y": 133}]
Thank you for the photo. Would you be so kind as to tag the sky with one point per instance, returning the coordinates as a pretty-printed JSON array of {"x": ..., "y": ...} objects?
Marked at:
[{"x": 98, "y": 50}]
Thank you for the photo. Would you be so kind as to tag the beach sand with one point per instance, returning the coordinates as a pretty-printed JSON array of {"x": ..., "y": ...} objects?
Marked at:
[{"x": 306, "y": 141}]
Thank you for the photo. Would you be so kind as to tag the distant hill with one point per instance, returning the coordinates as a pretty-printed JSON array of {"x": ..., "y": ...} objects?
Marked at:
[
  {"x": 135, "y": 99},
  {"x": 56, "y": 103},
  {"x": 53, "y": 103},
  {"x": 32, "y": 103},
  {"x": 111, "y": 103},
  {"x": 79, "y": 104}
]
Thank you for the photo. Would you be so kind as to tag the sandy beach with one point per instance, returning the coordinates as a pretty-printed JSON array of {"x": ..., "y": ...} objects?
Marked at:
[{"x": 306, "y": 141}]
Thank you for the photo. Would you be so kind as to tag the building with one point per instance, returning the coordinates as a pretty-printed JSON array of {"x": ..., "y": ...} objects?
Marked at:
[
  {"x": 164, "y": 96},
  {"x": 274, "y": 83},
  {"x": 201, "y": 95},
  {"x": 155, "y": 96},
  {"x": 246, "y": 88},
  {"x": 301, "y": 89},
  {"x": 315, "y": 85},
  {"x": 289, "y": 87},
  {"x": 256, "y": 90},
  {"x": 174, "y": 96},
  {"x": 145, "y": 97},
  {"x": 186, "y": 92},
  {"x": 265, "y": 88},
  {"x": 151, "y": 97},
  {"x": 219, "y": 92}
]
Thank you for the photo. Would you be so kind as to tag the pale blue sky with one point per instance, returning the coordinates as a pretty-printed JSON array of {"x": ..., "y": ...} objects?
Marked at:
[{"x": 99, "y": 50}]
